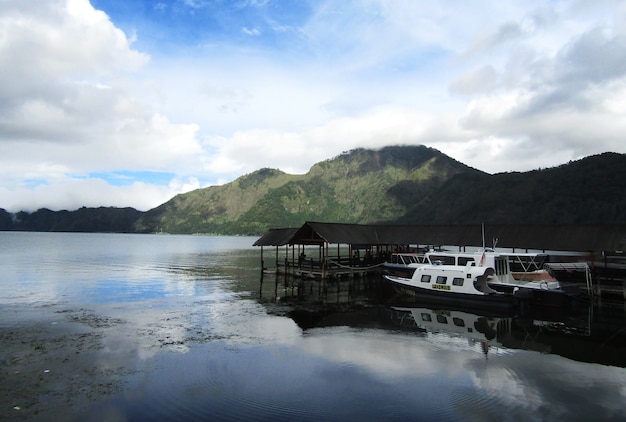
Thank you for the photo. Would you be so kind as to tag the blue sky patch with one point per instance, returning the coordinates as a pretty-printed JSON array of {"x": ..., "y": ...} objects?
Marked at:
[{"x": 128, "y": 177}]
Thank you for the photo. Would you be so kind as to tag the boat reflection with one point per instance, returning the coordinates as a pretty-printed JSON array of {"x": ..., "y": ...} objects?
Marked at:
[
  {"x": 585, "y": 332},
  {"x": 569, "y": 333},
  {"x": 478, "y": 329}
]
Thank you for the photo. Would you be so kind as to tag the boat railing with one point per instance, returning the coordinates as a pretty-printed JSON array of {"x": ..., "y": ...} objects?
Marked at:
[{"x": 406, "y": 258}]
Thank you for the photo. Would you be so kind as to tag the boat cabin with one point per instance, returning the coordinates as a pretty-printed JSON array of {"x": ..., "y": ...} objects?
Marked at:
[{"x": 485, "y": 258}]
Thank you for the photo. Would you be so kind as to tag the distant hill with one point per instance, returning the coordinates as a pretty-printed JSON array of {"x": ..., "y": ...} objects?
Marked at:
[
  {"x": 103, "y": 220},
  {"x": 398, "y": 184},
  {"x": 588, "y": 191}
]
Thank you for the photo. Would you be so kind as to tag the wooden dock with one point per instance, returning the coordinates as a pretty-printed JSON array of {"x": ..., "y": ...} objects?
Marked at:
[
  {"x": 333, "y": 269},
  {"x": 354, "y": 250}
]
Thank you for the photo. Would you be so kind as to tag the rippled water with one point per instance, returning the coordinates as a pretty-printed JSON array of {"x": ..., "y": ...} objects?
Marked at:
[{"x": 149, "y": 327}]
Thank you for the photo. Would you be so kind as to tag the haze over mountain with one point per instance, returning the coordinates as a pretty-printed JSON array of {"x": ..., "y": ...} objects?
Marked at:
[{"x": 396, "y": 184}]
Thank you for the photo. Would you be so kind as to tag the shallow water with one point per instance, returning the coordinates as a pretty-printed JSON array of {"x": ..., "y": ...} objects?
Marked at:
[{"x": 137, "y": 327}]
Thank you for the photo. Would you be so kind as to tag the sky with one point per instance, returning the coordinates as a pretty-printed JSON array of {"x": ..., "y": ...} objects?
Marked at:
[{"x": 128, "y": 103}]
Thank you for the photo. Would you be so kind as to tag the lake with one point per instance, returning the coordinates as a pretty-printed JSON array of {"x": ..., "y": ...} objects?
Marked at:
[{"x": 161, "y": 327}]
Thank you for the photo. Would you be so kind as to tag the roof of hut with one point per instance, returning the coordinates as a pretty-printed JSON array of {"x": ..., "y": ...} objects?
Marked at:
[
  {"x": 559, "y": 237},
  {"x": 276, "y": 237}
]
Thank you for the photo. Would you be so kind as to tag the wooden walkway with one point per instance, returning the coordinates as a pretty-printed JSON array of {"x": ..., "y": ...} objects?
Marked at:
[{"x": 330, "y": 269}]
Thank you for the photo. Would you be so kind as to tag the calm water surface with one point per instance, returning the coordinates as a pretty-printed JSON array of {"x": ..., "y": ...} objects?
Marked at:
[{"x": 150, "y": 327}]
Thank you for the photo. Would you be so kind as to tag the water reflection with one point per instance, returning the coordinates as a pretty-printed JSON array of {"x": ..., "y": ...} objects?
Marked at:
[
  {"x": 183, "y": 328},
  {"x": 478, "y": 329},
  {"x": 465, "y": 365},
  {"x": 585, "y": 333}
]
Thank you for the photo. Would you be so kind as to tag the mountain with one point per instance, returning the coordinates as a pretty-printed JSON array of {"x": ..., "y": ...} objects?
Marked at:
[
  {"x": 397, "y": 184},
  {"x": 213, "y": 209},
  {"x": 103, "y": 219},
  {"x": 588, "y": 191},
  {"x": 361, "y": 186}
]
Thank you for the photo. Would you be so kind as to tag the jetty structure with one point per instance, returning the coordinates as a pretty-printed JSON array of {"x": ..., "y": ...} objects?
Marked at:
[{"x": 335, "y": 250}]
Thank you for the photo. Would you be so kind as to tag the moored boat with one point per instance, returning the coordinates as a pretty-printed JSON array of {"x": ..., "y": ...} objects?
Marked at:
[
  {"x": 530, "y": 283},
  {"x": 447, "y": 284},
  {"x": 403, "y": 264}
]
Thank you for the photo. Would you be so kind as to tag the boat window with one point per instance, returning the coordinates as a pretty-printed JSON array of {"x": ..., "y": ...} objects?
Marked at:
[
  {"x": 426, "y": 317},
  {"x": 442, "y": 259},
  {"x": 442, "y": 319},
  {"x": 457, "y": 281},
  {"x": 425, "y": 278},
  {"x": 441, "y": 279},
  {"x": 502, "y": 266},
  {"x": 458, "y": 322},
  {"x": 463, "y": 260}
]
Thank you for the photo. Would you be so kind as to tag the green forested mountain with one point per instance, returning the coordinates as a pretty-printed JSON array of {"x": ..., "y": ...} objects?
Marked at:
[
  {"x": 213, "y": 209},
  {"x": 361, "y": 186},
  {"x": 400, "y": 184},
  {"x": 587, "y": 191}
]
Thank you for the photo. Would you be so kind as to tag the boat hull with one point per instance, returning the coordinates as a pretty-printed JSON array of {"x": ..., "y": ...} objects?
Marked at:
[
  {"x": 555, "y": 298},
  {"x": 504, "y": 302}
]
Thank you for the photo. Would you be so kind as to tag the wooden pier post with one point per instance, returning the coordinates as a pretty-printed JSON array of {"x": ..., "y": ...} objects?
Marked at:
[{"x": 262, "y": 263}]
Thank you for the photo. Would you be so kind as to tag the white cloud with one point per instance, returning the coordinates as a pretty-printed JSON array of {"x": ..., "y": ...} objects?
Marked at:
[
  {"x": 534, "y": 86},
  {"x": 68, "y": 110},
  {"x": 478, "y": 80},
  {"x": 69, "y": 193},
  {"x": 297, "y": 151},
  {"x": 254, "y": 32}
]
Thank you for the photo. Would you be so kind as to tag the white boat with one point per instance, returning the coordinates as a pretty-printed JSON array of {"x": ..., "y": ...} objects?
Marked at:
[
  {"x": 531, "y": 283},
  {"x": 403, "y": 264},
  {"x": 447, "y": 284}
]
